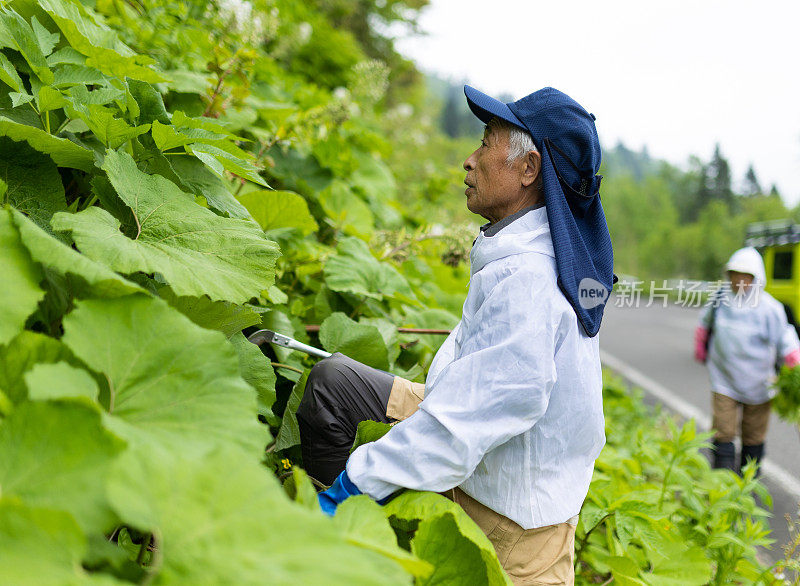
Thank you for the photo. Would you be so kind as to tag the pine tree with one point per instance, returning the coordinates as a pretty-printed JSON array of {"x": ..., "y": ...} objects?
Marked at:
[
  {"x": 751, "y": 185},
  {"x": 451, "y": 123},
  {"x": 719, "y": 175},
  {"x": 703, "y": 190}
]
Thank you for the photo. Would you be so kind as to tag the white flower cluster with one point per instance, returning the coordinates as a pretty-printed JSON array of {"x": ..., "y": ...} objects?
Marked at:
[
  {"x": 369, "y": 80},
  {"x": 255, "y": 29},
  {"x": 304, "y": 31}
]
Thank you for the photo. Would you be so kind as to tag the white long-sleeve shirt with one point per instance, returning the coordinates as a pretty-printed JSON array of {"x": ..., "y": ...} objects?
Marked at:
[{"x": 513, "y": 401}]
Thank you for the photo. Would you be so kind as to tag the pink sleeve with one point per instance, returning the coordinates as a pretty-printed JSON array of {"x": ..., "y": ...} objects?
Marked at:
[
  {"x": 792, "y": 359},
  {"x": 700, "y": 338}
]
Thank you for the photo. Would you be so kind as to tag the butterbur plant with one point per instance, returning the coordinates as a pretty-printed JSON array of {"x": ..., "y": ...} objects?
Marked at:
[
  {"x": 787, "y": 402},
  {"x": 657, "y": 513}
]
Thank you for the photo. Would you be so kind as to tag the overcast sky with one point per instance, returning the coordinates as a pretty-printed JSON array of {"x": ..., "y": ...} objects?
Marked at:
[{"x": 676, "y": 76}]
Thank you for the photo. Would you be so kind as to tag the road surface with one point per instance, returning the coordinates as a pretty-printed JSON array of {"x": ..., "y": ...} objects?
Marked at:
[{"x": 652, "y": 348}]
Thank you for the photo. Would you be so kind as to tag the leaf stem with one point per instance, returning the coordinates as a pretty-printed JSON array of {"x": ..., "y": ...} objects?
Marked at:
[
  {"x": 286, "y": 366},
  {"x": 405, "y": 245},
  {"x": 63, "y": 126},
  {"x": 357, "y": 307},
  {"x": 143, "y": 548},
  {"x": 666, "y": 480},
  {"x": 110, "y": 392},
  {"x": 218, "y": 89},
  {"x": 584, "y": 540},
  {"x": 90, "y": 202}
]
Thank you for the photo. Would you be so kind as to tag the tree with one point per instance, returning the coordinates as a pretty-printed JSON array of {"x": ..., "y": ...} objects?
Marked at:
[
  {"x": 719, "y": 177},
  {"x": 451, "y": 121},
  {"x": 751, "y": 185}
]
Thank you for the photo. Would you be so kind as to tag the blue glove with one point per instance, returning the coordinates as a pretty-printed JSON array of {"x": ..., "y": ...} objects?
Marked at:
[{"x": 341, "y": 489}]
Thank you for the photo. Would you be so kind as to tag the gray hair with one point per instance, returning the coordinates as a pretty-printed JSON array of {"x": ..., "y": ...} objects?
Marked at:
[{"x": 520, "y": 142}]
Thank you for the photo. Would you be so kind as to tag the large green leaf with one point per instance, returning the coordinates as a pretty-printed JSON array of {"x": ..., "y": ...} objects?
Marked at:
[
  {"x": 66, "y": 55},
  {"x": 166, "y": 136},
  {"x": 98, "y": 42},
  {"x": 112, "y": 131},
  {"x": 625, "y": 571},
  {"x": 346, "y": 210},
  {"x": 59, "y": 381},
  {"x": 374, "y": 177},
  {"x": 353, "y": 269},
  {"x": 56, "y": 455},
  {"x": 681, "y": 565},
  {"x": 197, "y": 252},
  {"x": 448, "y": 539},
  {"x": 9, "y": 75},
  {"x": 93, "y": 111},
  {"x": 172, "y": 383},
  {"x": 72, "y": 74},
  {"x": 389, "y": 333},
  {"x": 256, "y": 370},
  {"x": 19, "y": 286},
  {"x": 218, "y": 159},
  {"x": 64, "y": 152},
  {"x": 196, "y": 177},
  {"x": 369, "y": 431},
  {"x": 301, "y": 490},
  {"x": 47, "y": 40},
  {"x": 21, "y": 354},
  {"x": 363, "y": 523},
  {"x": 289, "y": 432},
  {"x": 457, "y": 561},
  {"x": 151, "y": 104},
  {"x": 339, "y": 333},
  {"x": 279, "y": 209},
  {"x": 49, "y": 98},
  {"x": 226, "y": 317},
  {"x": 83, "y": 276},
  {"x": 224, "y": 519},
  {"x": 298, "y": 171},
  {"x": 34, "y": 184},
  {"x": 26, "y": 43},
  {"x": 42, "y": 547}
]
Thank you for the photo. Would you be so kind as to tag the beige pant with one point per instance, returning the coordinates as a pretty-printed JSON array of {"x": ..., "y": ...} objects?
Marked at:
[
  {"x": 755, "y": 420},
  {"x": 541, "y": 556}
]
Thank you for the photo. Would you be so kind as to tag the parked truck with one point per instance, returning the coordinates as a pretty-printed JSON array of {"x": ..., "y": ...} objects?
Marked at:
[{"x": 778, "y": 242}]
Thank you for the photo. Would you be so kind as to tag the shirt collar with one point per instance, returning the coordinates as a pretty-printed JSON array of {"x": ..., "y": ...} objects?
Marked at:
[{"x": 490, "y": 229}]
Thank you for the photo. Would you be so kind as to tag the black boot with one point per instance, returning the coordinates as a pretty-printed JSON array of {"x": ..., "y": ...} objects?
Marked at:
[
  {"x": 724, "y": 455},
  {"x": 753, "y": 453}
]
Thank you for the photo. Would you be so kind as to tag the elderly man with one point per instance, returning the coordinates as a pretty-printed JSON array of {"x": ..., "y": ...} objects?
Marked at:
[{"x": 512, "y": 421}]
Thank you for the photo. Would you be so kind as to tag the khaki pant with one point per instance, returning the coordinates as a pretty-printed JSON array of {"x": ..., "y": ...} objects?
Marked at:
[
  {"x": 754, "y": 420},
  {"x": 532, "y": 557}
]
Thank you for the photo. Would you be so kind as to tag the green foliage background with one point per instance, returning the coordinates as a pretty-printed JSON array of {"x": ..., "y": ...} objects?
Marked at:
[{"x": 173, "y": 174}]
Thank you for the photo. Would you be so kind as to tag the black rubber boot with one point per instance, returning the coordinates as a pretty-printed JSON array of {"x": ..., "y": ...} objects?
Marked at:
[
  {"x": 753, "y": 453},
  {"x": 724, "y": 455}
]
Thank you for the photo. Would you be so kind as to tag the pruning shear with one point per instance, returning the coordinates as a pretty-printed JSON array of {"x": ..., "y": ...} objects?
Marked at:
[{"x": 269, "y": 337}]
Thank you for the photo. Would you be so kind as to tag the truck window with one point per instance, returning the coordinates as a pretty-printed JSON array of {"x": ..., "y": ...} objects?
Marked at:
[{"x": 782, "y": 269}]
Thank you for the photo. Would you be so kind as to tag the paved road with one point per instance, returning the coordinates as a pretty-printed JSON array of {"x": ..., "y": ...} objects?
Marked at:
[{"x": 652, "y": 346}]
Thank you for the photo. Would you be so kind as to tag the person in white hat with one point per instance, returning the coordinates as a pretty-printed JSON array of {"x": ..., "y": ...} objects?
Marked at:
[{"x": 742, "y": 332}]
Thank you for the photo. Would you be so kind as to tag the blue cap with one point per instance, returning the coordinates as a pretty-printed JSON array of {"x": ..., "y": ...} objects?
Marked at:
[{"x": 566, "y": 136}]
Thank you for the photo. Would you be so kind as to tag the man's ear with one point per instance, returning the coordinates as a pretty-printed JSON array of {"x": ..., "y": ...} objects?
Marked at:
[{"x": 533, "y": 168}]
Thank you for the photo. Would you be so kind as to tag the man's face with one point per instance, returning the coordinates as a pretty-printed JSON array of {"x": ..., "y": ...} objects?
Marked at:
[
  {"x": 493, "y": 186},
  {"x": 740, "y": 282}
]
